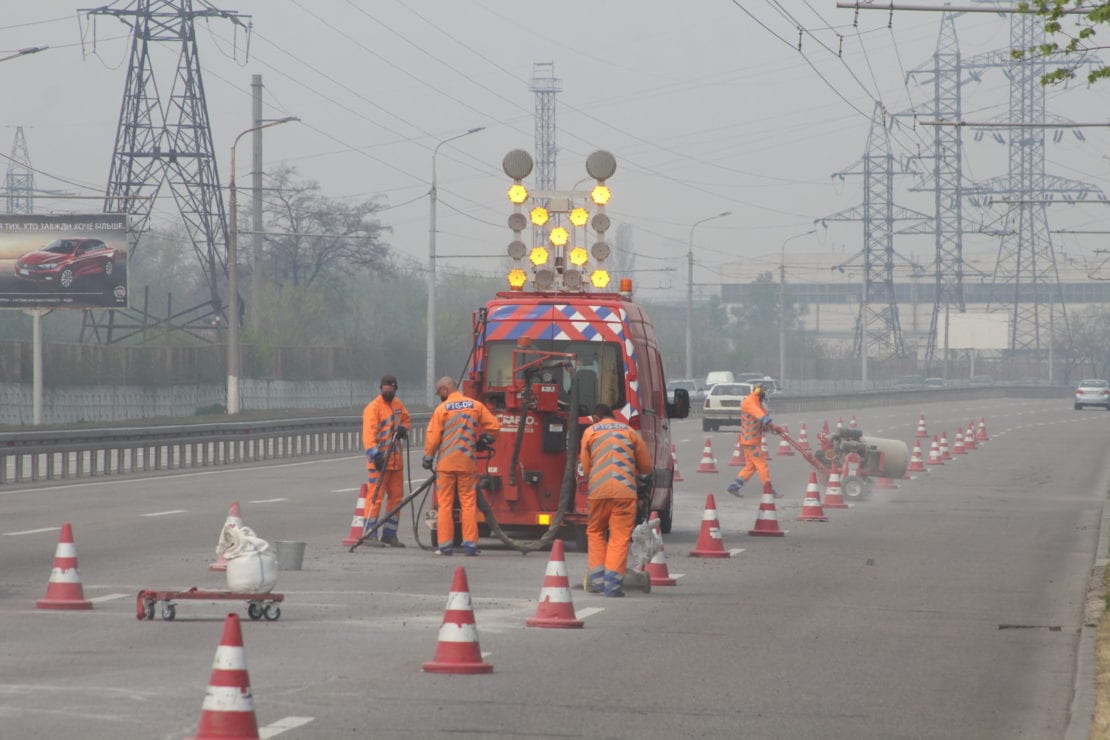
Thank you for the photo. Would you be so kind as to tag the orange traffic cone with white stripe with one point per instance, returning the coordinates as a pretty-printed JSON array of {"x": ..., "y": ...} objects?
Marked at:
[
  {"x": 555, "y": 608},
  {"x": 656, "y": 568},
  {"x": 708, "y": 463},
  {"x": 981, "y": 433},
  {"x": 358, "y": 522},
  {"x": 934, "y": 453},
  {"x": 674, "y": 459},
  {"x": 228, "y": 709},
  {"x": 767, "y": 521},
  {"x": 839, "y": 423},
  {"x": 969, "y": 437},
  {"x": 917, "y": 463},
  {"x": 811, "y": 505},
  {"x": 737, "y": 460},
  {"x": 457, "y": 650},
  {"x": 958, "y": 446},
  {"x": 803, "y": 438},
  {"x": 825, "y": 428},
  {"x": 710, "y": 544},
  {"x": 945, "y": 453},
  {"x": 233, "y": 520},
  {"x": 921, "y": 427},
  {"x": 64, "y": 591},
  {"x": 852, "y": 423},
  {"x": 833, "y": 498},
  {"x": 784, "y": 450}
]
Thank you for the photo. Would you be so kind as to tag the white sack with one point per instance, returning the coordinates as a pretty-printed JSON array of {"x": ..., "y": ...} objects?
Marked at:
[{"x": 251, "y": 565}]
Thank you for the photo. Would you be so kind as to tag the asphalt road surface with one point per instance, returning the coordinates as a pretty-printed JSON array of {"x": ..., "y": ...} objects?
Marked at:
[{"x": 951, "y": 607}]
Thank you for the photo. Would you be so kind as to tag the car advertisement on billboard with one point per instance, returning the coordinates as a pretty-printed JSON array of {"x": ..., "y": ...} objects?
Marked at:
[{"x": 59, "y": 261}]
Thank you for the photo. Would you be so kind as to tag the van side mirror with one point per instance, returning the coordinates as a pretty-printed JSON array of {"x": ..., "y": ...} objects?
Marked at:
[{"x": 680, "y": 407}]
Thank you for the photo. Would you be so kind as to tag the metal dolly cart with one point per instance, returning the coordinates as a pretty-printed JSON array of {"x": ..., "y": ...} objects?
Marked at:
[{"x": 259, "y": 606}]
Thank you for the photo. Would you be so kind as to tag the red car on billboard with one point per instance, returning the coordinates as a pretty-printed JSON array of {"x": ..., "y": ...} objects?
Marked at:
[{"x": 63, "y": 261}]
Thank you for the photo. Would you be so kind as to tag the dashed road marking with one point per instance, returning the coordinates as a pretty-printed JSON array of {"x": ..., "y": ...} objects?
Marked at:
[
  {"x": 166, "y": 513},
  {"x": 343, "y": 490},
  {"x": 589, "y": 611},
  {"x": 32, "y": 531},
  {"x": 735, "y": 551},
  {"x": 267, "y": 500},
  {"x": 108, "y": 597},
  {"x": 283, "y": 725}
]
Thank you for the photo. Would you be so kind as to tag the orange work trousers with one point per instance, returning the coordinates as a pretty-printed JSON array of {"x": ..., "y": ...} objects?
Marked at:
[
  {"x": 392, "y": 491},
  {"x": 756, "y": 463},
  {"x": 448, "y": 484},
  {"x": 617, "y": 517}
]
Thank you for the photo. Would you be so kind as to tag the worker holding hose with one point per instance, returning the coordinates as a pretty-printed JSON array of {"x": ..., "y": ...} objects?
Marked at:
[
  {"x": 754, "y": 421},
  {"x": 385, "y": 422}
]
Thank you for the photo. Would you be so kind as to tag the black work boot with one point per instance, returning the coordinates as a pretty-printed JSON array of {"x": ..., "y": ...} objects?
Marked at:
[{"x": 392, "y": 541}]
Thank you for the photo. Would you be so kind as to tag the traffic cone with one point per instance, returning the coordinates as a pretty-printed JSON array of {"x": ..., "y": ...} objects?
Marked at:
[
  {"x": 934, "y": 453},
  {"x": 64, "y": 591},
  {"x": 457, "y": 650},
  {"x": 674, "y": 459},
  {"x": 825, "y": 428},
  {"x": 784, "y": 450},
  {"x": 884, "y": 482},
  {"x": 852, "y": 423},
  {"x": 981, "y": 433},
  {"x": 708, "y": 463},
  {"x": 657, "y": 569},
  {"x": 917, "y": 463},
  {"x": 358, "y": 522},
  {"x": 969, "y": 437},
  {"x": 945, "y": 454},
  {"x": 811, "y": 505},
  {"x": 228, "y": 709},
  {"x": 839, "y": 423},
  {"x": 833, "y": 499},
  {"x": 921, "y": 427},
  {"x": 958, "y": 447},
  {"x": 803, "y": 438},
  {"x": 234, "y": 521},
  {"x": 555, "y": 608},
  {"x": 710, "y": 544},
  {"x": 767, "y": 522},
  {"x": 737, "y": 460}
]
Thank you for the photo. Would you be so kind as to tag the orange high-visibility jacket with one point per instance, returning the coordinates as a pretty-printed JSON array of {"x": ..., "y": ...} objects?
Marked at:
[
  {"x": 752, "y": 414},
  {"x": 454, "y": 430},
  {"x": 612, "y": 454},
  {"x": 379, "y": 422}
]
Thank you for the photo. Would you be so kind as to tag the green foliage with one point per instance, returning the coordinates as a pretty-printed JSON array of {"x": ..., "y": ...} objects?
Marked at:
[{"x": 1053, "y": 11}]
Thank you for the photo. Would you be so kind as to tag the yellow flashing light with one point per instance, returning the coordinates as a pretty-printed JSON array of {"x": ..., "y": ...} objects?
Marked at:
[
  {"x": 599, "y": 278},
  {"x": 538, "y": 256},
  {"x": 517, "y": 278},
  {"x": 559, "y": 236},
  {"x": 539, "y": 215},
  {"x": 544, "y": 520},
  {"x": 579, "y": 216},
  {"x": 600, "y": 195},
  {"x": 578, "y": 256},
  {"x": 518, "y": 194}
]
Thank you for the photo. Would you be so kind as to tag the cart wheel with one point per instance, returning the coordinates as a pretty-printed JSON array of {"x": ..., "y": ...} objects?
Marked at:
[
  {"x": 272, "y": 612},
  {"x": 169, "y": 611},
  {"x": 148, "y": 608},
  {"x": 254, "y": 610}
]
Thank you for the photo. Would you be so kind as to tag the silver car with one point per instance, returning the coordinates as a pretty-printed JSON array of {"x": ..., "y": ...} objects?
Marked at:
[{"x": 1092, "y": 392}]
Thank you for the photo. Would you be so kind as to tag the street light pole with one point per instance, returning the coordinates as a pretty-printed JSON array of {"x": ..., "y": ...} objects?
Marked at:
[
  {"x": 690, "y": 293},
  {"x": 430, "y": 368},
  {"x": 233, "y": 275},
  {"x": 782, "y": 305}
]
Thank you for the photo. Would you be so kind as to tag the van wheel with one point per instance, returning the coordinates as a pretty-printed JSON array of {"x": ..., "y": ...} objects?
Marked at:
[{"x": 667, "y": 517}]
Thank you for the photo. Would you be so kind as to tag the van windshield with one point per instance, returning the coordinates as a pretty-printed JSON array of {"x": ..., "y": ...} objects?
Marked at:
[{"x": 600, "y": 367}]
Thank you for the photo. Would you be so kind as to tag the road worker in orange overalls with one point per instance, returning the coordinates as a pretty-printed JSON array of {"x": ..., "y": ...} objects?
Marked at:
[
  {"x": 612, "y": 456},
  {"x": 460, "y": 428},
  {"x": 754, "y": 420},
  {"x": 385, "y": 423}
]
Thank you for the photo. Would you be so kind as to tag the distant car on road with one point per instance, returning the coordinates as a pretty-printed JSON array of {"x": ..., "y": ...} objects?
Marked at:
[
  {"x": 909, "y": 381},
  {"x": 722, "y": 405},
  {"x": 981, "y": 380},
  {"x": 935, "y": 383},
  {"x": 697, "y": 395},
  {"x": 1092, "y": 392},
  {"x": 63, "y": 261}
]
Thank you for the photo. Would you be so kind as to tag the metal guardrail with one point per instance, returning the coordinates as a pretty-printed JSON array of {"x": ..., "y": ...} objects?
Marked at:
[{"x": 65, "y": 454}]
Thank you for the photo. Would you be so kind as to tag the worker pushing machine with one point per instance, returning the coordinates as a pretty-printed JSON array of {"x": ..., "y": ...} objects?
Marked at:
[
  {"x": 754, "y": 421},
  {"x": 385, "y": 423},
  {"x": 613, "y": 455},
  {"x": 459, "y": 429}
]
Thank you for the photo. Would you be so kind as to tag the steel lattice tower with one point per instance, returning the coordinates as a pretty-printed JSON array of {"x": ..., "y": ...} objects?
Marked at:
[
  {"x": 20, "y": 181},
  {"x": 167, "y": 138},
  {"x": 546, "y": 86}
]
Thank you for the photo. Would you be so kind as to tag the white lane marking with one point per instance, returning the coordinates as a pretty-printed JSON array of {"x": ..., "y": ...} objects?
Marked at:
[
  {"x": 270, "y": 500},
  {"x": 589, "y": 611},
  {"x": 33, "y": 531},
  {"x": 108, "y": 597},
  {"x": 487, "y": 653},
  {"x": 735, "y": 551},
  {"x": 676, "y": 576},
  {"x": 285, "y": 724},
  {"x": 343, "y": 490},
  {"x": 166, "y": 513}
]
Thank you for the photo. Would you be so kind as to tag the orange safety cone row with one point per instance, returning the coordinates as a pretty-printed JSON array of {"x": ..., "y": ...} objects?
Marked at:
[
  {"x": 811, "y": 504},
  {"x": 710, "y": 544},
  {"x": 833, "y": 498},
  {"x": 945, "y": 453},
  {"x": 981, "y": 433},
  {"x": 708, "y": 463},
  {"x": 457, "y": 650},
  {"x": 555, "y": 608},
  {"x": 358, "y": 522},
  {"x": 784, "y": 450},
  {"x": 917, "y": 463},
  {"x": 934, "y": 453},
  {"x": 803, "y": 437},
  {"x": 958, "y": 445},
  {"x": 64, "y": 591},
  {"x": 233, "y": 520},
  {"x": 737, "y": 460},
  {"x": 969, "y": 437},
  {"x": 656, "y": 568},
  {"x": 921, "y": 427},
  {"x": 228, "y": 709},
  {"x": 674, "y": 459},
  {"x": 767, "y": 521}
]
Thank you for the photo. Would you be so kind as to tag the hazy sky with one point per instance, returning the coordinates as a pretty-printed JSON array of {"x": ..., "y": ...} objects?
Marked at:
[{"x": 704, "y": 110}]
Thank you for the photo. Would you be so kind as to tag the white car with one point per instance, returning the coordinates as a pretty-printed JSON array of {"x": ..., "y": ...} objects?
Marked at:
[
  {"x": 722, "y": 405},
  {"x": 1092, "y": 392}
]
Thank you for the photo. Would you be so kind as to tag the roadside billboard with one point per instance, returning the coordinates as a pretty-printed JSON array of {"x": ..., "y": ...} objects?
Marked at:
[
  {"x": 976, "y": 331},
  {"x": 63, "y": 261}
]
